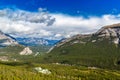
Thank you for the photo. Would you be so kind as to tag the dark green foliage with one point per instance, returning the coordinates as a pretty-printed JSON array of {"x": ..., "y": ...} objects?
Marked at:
[
  {"x": 11, "y": 49},
  {"x": 101, "y": 53},
  {"x": 79, "y": 61},
  {"x": 40, "y": 49}
]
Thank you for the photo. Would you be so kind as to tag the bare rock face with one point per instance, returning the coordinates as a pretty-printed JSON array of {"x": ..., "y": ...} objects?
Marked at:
[
  {"x": 6, "y": 40},
  {"x": 4, "y": 58},
  {"x": 110, "y": 31},
  {"x": 75, "y": 38},
  {"x": 26, "y": 51}
]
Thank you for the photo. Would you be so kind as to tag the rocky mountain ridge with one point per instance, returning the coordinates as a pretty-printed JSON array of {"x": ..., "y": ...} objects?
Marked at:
[
  {"x": 110, "y": 32},
  {"x": 32, "y": 41},
  {"x": 6, "y": 40}
]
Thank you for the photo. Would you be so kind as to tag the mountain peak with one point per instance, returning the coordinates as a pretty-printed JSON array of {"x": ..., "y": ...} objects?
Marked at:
[
  {"x": 109, "y": 32},
  {"x": 113, "y": 26},
  {"x": 112, "y": 32},
  {"x": 6, "y": 40}
]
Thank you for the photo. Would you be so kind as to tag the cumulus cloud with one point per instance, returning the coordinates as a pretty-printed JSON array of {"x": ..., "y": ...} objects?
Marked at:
[
  {"x": 49, "y": 25},
  {"x": 69, "y": 25},
  {"x": 24, "y": 17},
  {"x": 82, "y": 24}
]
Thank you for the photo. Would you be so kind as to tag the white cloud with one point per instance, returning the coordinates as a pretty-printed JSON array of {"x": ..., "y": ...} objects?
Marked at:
[
  {"x": 79, "y": 22},
  {"x": 50, "y": 25},
  {"x": 70, "y": 25}
]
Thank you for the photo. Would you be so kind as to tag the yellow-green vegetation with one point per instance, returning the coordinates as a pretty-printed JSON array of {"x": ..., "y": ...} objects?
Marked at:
[
  {"x": 11, "y": 49},
  {"x": 67, "y": 62},
  {"x": 58, "y": 72}
]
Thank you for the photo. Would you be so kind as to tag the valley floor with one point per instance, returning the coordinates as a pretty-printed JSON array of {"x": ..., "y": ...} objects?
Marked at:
[{"x": 57, "y": 72}]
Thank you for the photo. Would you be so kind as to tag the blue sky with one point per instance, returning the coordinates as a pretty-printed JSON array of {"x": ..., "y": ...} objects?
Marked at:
[
  {"x": 71, "y": 7},
  {"x": 56, "y": 19}
]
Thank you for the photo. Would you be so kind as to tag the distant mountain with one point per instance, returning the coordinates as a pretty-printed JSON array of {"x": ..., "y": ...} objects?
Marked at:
[
  {"x": 110, "y": 32},
  {"x": 100, "y": 49},
  {"x": 31, "y": 41},
  {"x": 6, "y": 40}
]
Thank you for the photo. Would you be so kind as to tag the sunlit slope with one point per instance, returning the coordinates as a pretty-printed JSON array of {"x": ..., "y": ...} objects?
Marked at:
[
  {"x": 100, "y": 49},
  {"x": 58, "y": 72}
]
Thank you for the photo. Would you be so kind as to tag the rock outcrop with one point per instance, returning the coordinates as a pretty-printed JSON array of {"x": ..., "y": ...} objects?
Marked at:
[
  {"x": 43, "y": 71},
  {"x": 4, "y": 58},
  {"x": 6, "y": 40},
  {"x": 111, "y": 31},
  {"x": 26, "y": 51}
]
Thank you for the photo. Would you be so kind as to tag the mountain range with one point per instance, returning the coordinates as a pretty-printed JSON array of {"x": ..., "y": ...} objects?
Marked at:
[
  {"x": 97, "y": 52},
  {"x": 110, "y": 32},
  {"x": 31, "y": 41},
  {"x": 100, "y": 49},
  {"x": 6, "y": 40}
]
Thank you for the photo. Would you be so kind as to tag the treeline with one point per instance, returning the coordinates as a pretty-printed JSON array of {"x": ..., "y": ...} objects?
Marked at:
[{"x": 99, "y": 54}]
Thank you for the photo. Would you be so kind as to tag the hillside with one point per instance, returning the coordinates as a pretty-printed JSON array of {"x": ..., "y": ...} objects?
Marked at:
[
  {"x": 58, "y": 72},
  {"x": 6, "y": 40},
  {"x": 100, "y": 49},
  {"x": 81, "y": 57}
]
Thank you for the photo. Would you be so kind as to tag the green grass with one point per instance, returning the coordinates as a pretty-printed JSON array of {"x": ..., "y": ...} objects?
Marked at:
[
  {"x": 74, "y": 58},
  {"x": 58, "y": 72}
]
